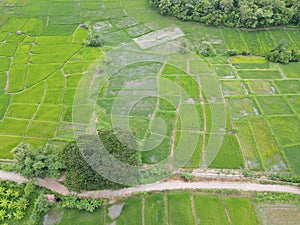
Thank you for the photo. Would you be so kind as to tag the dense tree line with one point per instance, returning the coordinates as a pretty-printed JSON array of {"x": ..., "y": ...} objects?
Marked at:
[
  {"x": 79, "y": 174},
  {"x": 233, "y": 13}
]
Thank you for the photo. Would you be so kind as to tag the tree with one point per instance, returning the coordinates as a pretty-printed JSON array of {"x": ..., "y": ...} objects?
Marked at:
[
  {"x": 281, "y": 55},
  {"x": 40, "y": 163},
  {"x": 79, "y": 174},
  {"x": 206, "y": 49}
]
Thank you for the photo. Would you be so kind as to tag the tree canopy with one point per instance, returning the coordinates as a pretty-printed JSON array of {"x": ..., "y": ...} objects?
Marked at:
[
  {"x": 233, "y": 13},
  {"x": 79, "y": 174}
]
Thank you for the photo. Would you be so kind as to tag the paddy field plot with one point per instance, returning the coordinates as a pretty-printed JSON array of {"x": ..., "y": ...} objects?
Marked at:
[
  {"x": 40, "y": 71},
  {"x": 188, "y": 207}
]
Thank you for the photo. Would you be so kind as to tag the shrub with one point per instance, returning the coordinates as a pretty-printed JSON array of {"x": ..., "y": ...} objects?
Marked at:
[
  {"x": 94, "y": 39},
  {"x": 86, "y": 204},
  {"x": 187, "y": 176},
  {"x": 232, "y": 52},
  {"x": 41, "y": 206}
]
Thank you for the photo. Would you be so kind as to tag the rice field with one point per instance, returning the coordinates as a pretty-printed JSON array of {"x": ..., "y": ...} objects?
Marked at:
[
  {"x": 185, "y": 207},
  {"x": 41, "y": 68}
]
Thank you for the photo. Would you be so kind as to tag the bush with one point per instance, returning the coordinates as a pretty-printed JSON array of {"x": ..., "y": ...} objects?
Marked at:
[
  {"x": 41, "y": 206},
  {"x": 232, "y": 52},
  {"x": 86, "y": 204},
  {"x": 187, "y": 176}
]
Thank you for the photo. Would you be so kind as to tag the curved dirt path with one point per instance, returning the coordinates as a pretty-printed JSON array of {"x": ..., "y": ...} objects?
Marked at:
[{"x": 55, "y": 186}]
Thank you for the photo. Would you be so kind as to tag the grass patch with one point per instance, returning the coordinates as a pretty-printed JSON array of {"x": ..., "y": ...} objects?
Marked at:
[
  {"x": 241, "y": 107},
  {"x": 41, "y": 129},
  {"x": 32, "y": 95},
  {"x": 291, "y": 70},
  {"x": 229, "y": 156},
  {"x": 154, "y": 209},
  {"x": 292, "y": 154},
  {"x": 4, "y": 64},
  {"x": 190, "y": 88},
  {"x": 224, "y": 71},
  {"x": 200, "y": 67},
  {"x": 78, "y": 217},
  {"x": 233, "y": 88},
  {"x": 209, "y": 210},
  {"x": 188, "y": 149},
  {"x": 240, "y": 211},
  {"x": 269, "y": 152},
  {"x": 190, "y": 117},
  {"x": 7, "y": 144},
  {"x": 170, "y": 69},
  {"x": 38, "y": 72},
  {"x": 131, "y": 212},
  {"x": 248, "y": 144},
  {"x": 7, "y": 49},
  {"x": 259, "y": 74},
  {"x": 4, "y": 99},
  {"x": 180, "y": 209},
  {"x": 273, "y": 105},
  {"x": 295, "y": 102},
  {"x": 52, "y": 97},
  {"x": 13, "y": 126},
  {"x": 261, "y": 87},
  {"x": 17, "y": 73},
  {"x": 288, "y": 86},
  {"x": 286, "y": 129},
  {"x": 23, "y": 111},
  {"x": 159, "y": 153},
  {"x": 49, "y": 113}
]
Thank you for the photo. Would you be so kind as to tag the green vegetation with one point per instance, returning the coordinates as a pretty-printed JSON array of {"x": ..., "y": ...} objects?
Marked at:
[
  {"x": 38, "y": 163},
  {"x": 41, "y": 206},
  {"x": 14, "y": 201},
  {"x": 86, "y": 204},
  {"x": 207, "y": 207},
  {"x": 179, "y": 206},
  {"x": 281, "y": 55},
  {"x": 232, "y": 13},
  {"x": 240, "y": 211},
  {"x": 229, "y": 155},
  {"x": 154, "y": 209},
  {"x": 80, "y": 176}
]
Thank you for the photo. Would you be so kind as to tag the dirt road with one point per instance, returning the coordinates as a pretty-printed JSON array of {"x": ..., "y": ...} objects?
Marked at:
[{"x": 159, "y": 186}]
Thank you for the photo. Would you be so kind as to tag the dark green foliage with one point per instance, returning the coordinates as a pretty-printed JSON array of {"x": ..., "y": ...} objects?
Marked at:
[
  {"x": 282, "y": 55},
  {"x": 233, "y": 13},
  {"x": 87, "y": 204},
  {"x": 40, "y": 163},
  {"x": 41, "y": 206},
  {"x": 80, "y": 176}
]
